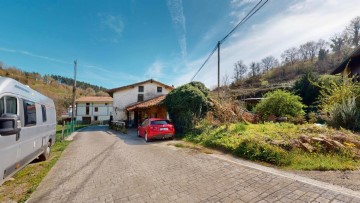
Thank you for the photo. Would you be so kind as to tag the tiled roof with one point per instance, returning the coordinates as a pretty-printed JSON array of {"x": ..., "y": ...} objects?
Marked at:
[
  {"x": 95, "y": 99},
  {"x": 136, "y": 84},
  {"x": 146, "y": 104}
]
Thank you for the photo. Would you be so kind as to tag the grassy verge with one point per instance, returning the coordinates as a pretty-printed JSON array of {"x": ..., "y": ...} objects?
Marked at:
[
  {"x": 28, "y": 179},
  {"x": 273, "y": 143}
]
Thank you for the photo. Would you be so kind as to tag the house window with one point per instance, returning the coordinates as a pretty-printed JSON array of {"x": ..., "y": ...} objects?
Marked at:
[
  {"x": 159, "y": 89},
  {"x": 140, "y": 97},
  {"x": 95, "y": 118},
  {"x": 105, "y": 104},
  {"x": 29, "y": 113},
  {"x": 87, "y": 108},
  {"x": 96, "y": 109},
  {"x": 141, "y": 88}
]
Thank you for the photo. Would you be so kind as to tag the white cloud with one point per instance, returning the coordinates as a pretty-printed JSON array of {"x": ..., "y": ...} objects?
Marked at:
[
  {"x": 178, "y": 19},
  {"x": 305, "y": 20},
  {"x": 114, "y": 23},
  {"x": 155, "y": 71},
  {"x": 34, "y": 55}
]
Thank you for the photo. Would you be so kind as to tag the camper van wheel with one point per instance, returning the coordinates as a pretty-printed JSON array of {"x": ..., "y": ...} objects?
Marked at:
[{"x": 46, "y": 154}]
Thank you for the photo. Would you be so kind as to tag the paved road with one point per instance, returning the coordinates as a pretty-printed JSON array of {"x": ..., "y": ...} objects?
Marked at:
[{"x": 100, "y": 166}]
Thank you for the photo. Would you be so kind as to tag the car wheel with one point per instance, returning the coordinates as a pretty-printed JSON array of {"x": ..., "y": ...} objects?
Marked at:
[
  {"x": 146, "y": 137},
  {"x": 138, "y": 133},
  {"x": 171, "y": 138},
  {"x": 46, "y": 154}
]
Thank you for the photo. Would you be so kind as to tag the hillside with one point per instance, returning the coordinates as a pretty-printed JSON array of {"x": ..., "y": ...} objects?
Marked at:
[{"x": 57, "y": 88}]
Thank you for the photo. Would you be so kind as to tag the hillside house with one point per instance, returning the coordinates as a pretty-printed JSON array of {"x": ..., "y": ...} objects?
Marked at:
[
  {"x": 133, "y": 103},
  {"x": 350, "y": 66},
  {"x": 89, "y": 109}
]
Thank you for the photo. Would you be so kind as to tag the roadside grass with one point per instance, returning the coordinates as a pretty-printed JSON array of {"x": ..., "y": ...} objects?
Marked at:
[
  {"x": 28, "y": 179},
  {"x": 256, "y": 142}
]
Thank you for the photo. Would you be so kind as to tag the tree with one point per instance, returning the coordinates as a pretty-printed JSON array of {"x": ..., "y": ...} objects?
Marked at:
[
  {"x": 290, "y": 55},
  {"x": 90, "y": 92},
  {"x": 353, "y": 31},
  {"x": 308, "y": 50},
  {"x": 239, "y": 70},
  {"x": 306, "y": 89},
  {"x": 269, "y": 63},
  {"x": 255, "y": 69},
  {"x": 187, "y": 104},
  {"x": 322, "y": 62},
  {"x": 337, "y": 43}
]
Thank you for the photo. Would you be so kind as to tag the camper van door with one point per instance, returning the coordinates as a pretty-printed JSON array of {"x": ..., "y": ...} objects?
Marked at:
[{"x": 9, "y": 143}]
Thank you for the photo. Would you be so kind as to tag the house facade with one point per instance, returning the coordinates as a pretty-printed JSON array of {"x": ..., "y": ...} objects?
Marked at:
[
  {"x": 133, "y": 103},
  {"x": 89, "y": 109}
]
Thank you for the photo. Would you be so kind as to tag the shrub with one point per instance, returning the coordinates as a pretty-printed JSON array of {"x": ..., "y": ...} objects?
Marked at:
[
  {"x": 306, "y": 89},
  {"x": 280, "y": 103},
  {"x": 341, "y": 101},
  {"x": 187, "y": 104},
  {"x": 345, "y": 114}
]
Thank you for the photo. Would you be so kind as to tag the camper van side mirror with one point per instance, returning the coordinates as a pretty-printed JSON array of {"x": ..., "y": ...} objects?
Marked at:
[{"x": 9, "y": 124}]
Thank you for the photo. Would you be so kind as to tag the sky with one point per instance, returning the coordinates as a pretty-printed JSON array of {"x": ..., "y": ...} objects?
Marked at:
[{"x": 117, "y": 43}]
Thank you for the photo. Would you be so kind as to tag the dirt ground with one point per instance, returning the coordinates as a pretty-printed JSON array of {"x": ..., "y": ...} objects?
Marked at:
[{"x": 348, "y": 179}]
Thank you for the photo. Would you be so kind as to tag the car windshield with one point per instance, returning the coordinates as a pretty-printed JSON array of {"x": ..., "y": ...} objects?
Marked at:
[{"x": 160, "y": 122}]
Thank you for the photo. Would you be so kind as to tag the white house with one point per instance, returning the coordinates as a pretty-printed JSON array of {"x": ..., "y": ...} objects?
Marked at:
[
  {"x": 133, "y": 103},
  {"x": 90, "y": 109}
]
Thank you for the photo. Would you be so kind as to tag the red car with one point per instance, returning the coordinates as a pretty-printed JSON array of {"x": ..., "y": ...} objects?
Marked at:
[{"x": 156, "y": 128}]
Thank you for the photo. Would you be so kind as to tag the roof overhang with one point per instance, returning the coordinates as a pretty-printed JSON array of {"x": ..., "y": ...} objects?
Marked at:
[
  {"x": 352, "y": 60},
  {"x": 157, "y": 101}
]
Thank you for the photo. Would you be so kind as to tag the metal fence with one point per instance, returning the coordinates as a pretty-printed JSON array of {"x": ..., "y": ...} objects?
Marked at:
[{"x": 69, "y": 127}]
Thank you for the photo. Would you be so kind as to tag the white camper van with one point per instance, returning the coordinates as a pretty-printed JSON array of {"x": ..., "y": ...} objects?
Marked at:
[{"x": 27, "y": 126}]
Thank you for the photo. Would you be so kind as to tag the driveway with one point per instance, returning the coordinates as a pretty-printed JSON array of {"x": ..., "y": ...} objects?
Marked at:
[{"x": 104, "y": 166}]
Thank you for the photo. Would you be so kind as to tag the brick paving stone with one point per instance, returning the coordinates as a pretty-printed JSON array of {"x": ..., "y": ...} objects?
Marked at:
[{"x": 102, "y": 166}]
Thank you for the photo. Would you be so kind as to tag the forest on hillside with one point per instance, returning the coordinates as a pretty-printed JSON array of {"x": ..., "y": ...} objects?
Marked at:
[
  {"x": 56, "y": 87},
  {"x": 318, "y": 56}
]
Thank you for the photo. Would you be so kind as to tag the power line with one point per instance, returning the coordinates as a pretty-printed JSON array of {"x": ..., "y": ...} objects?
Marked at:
[
  {"x": 242, "y": 21},
  {"x": 249, "y": 15},
  {"x": 207, "y": 59}
]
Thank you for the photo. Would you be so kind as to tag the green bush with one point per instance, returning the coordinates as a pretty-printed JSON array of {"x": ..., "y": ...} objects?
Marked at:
[
  {"x": 308, "y": 91},
  {"x": 341, "y": 101},
  {"x": 346, "y": 115},
  {"x": 187, "y": 104},
  {"x": 280, "y": 103}
]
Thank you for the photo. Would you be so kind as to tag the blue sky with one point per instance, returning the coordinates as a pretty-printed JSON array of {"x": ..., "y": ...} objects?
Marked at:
[{"x": 121, "y": 42}]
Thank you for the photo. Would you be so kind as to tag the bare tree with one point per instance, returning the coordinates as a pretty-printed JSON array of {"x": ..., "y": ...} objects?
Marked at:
[
  {"x": 321, "y": 44},
  {"x": 269, "y": 62},
  {"x": 239, "y": 70},
  {"x": 353, "y": 31},
  {"x": 337, "y": 43},
  {"x": 290, "y": 55},
  {"x": 255, "y": 69},
  {"x": 226, "y": 80}
]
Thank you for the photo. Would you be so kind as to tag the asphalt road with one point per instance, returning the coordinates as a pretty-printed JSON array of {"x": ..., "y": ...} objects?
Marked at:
[{"x": 104, "y": 166}]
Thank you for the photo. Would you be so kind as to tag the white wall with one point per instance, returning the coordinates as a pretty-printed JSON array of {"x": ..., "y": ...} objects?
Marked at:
[
  {"x": 104, "y": 111},
  {"x": 126, "y": 97}
]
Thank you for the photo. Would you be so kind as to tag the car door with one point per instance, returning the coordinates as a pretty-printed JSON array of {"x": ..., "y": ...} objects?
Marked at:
[
  {"x": 143, "y": 128},
  {"x": 9, "y": 144}
]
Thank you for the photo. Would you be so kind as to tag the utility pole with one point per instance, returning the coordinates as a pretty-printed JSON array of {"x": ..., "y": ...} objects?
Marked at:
[
  {"x": 74, "y": 98},
  {"x": 218, "y": 48}
]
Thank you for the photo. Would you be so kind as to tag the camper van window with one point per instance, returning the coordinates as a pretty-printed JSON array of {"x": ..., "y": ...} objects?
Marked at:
[
  {"x": 43, "y": 109},
  {"x": 11, "y": 105},
  {"x": 30, "y": 113},
  {"x": 2, "y": 106},
  {"x": 8, "y": 105}
]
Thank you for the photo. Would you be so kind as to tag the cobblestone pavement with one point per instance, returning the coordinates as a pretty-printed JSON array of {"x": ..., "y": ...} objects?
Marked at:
[{"x": 100, "y": 166}]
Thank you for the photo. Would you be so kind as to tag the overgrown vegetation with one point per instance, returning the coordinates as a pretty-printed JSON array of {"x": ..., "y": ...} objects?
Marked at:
[
  {"x": 279, "y": 144},
  {"x": 187, "y": 104}
]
